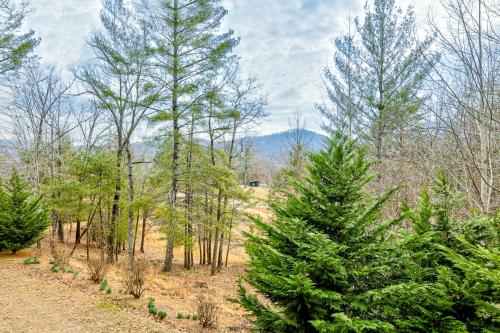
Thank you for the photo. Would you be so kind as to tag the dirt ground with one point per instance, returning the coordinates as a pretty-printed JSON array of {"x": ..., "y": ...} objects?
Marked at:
[
  {"x": 31, "y": 301},
  {"x": 34, "y": 299}
]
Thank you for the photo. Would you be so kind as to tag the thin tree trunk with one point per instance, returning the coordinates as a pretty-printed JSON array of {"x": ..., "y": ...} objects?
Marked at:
[
  {"x": 116, "y": 207},
  {"x": 136, "y": 231},
  {"x": 143, "y": 236},
  {"x": 130, "y": 245}
]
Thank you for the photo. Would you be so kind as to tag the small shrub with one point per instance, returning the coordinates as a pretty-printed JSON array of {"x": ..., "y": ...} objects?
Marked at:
[
  {"x": 195, "y": 317},
  {"x": 55, "y": 269},
  {"x": 108, "y": 291},
  {"x": 68, "y": 270},
  {"x": 97, "y": 269},
  {"x": 188, "y": 316},
  {"x": 207, "y": 311},
  {"x": 75, "y": 274},
  {"x": 31, "y": 261},
  {"x": 135, "y": 277},
  {"x": 162, "y": 314},
  {"x": 104, "y": 284},
  {"x": 151, "y": 306},
  {"x": 60, "y": 255},
  {"x": 179, "y": 316}
]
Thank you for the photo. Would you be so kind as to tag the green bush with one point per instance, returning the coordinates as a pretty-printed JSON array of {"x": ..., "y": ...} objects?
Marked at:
[
  {"x": 108, "y": 291},
  {"x": 104, "y": 284},
  {"x": 55, "y": 269},
  {"x": 188, "y": 316},
  {"x": 162, "y": 314},
  {"x": 195, "y": 317},
  {"x": 179, "y": 316},
  {"x": 31, "y": 261},
  {"x": 75, "y": 274}
]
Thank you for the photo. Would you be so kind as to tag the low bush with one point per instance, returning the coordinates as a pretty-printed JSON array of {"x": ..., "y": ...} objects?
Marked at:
[
  {"x": 31, "y": 261},
  {"x": 179, "y": 316},
  {"x": 195, "y": 317},
  {"x": 104, "y": 284},
  {"x": 162, "y": 315},
  {"x": 97, "y": 268},
  {"x": 188, "y": 316},
  {"x": 207, "y": 311},
  {"x": 108, "y": 291},
  {"x": 135, "y": 278},
  {"x": 153, "y": 311}
]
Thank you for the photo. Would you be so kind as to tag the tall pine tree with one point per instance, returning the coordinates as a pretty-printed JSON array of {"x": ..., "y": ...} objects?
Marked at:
[
  {"x": 378, "y": 76},
  {"x": 189, "y": 49}
]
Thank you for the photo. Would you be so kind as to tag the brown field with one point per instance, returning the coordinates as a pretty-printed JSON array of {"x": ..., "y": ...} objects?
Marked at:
[{"x": 33, "y": 299}]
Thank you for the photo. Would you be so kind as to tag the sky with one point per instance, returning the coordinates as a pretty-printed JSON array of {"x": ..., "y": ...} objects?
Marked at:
[{"x": 284, "y": 43}]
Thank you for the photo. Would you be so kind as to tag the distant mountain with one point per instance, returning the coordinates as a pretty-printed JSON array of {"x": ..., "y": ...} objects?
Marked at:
[
  {"x": 276, "y": 145},
  {"x": 270, "y": 147}
]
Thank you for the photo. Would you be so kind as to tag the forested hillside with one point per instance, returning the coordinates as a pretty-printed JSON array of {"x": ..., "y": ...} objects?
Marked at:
[{"x": 141, "y": 189}]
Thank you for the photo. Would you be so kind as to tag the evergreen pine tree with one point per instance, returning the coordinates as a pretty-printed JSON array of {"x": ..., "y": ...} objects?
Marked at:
[
  {"x": 323, "y": 251},
  {"x": 454, "y": 263},
  {"x": 22, "y": 217},
  {"x": 378, "y": 76}
]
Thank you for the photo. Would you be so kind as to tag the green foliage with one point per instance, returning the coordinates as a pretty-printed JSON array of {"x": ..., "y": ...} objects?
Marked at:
[
  {"x": 15, "y": 46},
  {"x": 323, "y": 251},
  {"x": 31, "y": 261},
  {"x": 23, "y": 217},
  {"x": 187, "y": 316},
  {"x": 326, "y": 263},
  {"x": 104, "y": 284},
  {"x": 55, "y": 269},
  {"x": 108, "y": 291},
  {"x": 180, "y": 316},
  {"x": 153, "y": 311},
  {"x": 195, "y": 317},
  {"x": 162, "y": 315},
  {"x": 457, "y": 261}
]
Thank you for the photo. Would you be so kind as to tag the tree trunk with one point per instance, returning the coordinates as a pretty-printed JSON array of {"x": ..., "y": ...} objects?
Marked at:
[
  {"x": 176, "y": 67},
  {"x": 216, "y": 237},
  {"x": 130, "y": 245},
  {"x": 143, "y": 236},
  {"x": 116, "y": 207}
]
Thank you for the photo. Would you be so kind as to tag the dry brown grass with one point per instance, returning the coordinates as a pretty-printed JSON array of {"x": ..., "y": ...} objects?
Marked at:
[{"x": 173, "y": 292}]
